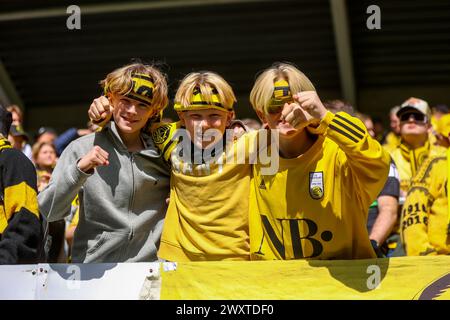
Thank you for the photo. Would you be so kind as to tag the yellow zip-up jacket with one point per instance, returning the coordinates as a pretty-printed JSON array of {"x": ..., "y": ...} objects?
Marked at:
[{"x": 425, "y": 212}]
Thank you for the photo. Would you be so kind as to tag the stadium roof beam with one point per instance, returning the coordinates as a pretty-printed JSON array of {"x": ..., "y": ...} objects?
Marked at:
[
  {"x": 8, "y": 91},
  {"x": 115, "y": 7},
  {"x": 343, "y": 49}
]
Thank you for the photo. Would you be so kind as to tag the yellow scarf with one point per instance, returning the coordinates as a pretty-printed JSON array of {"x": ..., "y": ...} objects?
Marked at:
[{"x": 4, "y": 144}]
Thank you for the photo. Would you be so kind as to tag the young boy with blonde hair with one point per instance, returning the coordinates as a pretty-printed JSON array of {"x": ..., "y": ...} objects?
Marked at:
[
  {"x": 207, "y": 218},
  {"x": 330, "y": 170},
  {"x": 117, "y": 173}
]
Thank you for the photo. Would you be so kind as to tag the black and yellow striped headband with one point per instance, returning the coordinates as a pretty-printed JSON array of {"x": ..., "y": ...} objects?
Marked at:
[
  {"x": 197, "y": 102},
  {"x": 141, "y": 90},
  {"x": 281, "y": 95}
]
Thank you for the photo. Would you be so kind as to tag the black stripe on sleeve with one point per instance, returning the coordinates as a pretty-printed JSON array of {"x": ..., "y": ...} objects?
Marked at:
[
  {"x": 351, "y": 123},
  {"x": 343, "y": 133},
  {"x": 356, "y": 134}
]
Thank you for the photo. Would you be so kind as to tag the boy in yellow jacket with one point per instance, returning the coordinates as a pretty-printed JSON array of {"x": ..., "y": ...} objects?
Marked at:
[{"x": 316, "y": 205}]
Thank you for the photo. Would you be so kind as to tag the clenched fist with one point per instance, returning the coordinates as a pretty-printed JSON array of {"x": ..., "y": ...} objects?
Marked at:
[
  {"x": 310, "y": 102},
  {"x": 296, "y": 116},
  {"x": 100, "y": 110},
  {"x": 94, "y": 158}
]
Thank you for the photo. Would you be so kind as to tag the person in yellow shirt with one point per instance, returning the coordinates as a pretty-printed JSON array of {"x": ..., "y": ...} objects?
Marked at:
[
  {"x": 207, "y": 218},
  {"x": 330, "y": 171},
  {"x": 415, "y": 147},
  {"x": 426, "y": 212}
]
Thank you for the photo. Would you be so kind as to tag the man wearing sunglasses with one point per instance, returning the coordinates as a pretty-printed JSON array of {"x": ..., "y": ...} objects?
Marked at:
[{"x": 414, "y": 149}]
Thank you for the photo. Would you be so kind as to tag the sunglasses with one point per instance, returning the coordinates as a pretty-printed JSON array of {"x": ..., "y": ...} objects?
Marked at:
[{"x": 419, "y": 117}]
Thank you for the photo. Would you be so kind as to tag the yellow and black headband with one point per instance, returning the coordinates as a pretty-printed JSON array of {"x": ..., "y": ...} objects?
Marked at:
[
  {"x": 281, "y": 95},
  {"x": 141, "y": 89},
  {"x": 197, "y": 102}
]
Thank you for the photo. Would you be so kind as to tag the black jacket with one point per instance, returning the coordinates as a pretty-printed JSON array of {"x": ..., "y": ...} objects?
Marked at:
[{"x": 20, "y": 226}]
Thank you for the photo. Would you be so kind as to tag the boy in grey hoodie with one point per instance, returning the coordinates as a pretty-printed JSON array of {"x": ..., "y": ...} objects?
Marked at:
[{"x": 118, "y": 174}]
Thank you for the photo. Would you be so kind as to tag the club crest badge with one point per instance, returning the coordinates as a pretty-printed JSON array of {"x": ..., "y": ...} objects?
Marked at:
[
  {"x": 161, "y": 133},
  {"x": 316, "y": 185}
]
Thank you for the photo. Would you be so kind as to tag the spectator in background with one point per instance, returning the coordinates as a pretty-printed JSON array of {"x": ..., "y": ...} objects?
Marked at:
[
  {"x": 414, "y": 149},
  {"x": 367, "y": 120},
  {"x": 442, "y": 128},
  {"x": 20, "y": 226},
  {"x": 335, "y": 106},
  {"x": 378, "y": 128},
  {"x": 383, "y": 212},
  {"x": 415, "y": 116},
  {"x": 44, "y": 158},
  {"x": 19, "y": 138},
  {"x": 436, "y": 113},
  {"x": 48, "y": 134},
  {"x": 17, "y": 114},
  {"x": 392, "y": 140},
  {"x": 251, "y": 124},
  {"x": 425, "y": 218},
  {"x": 45, "y": 134}
]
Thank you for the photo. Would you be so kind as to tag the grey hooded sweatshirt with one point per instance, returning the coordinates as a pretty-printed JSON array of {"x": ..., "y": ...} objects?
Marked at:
[{"x": 122, "y": 205}]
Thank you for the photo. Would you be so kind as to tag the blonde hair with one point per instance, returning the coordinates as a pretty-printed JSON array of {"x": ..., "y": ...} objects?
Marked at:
[
  {"x": 37, "y": 148},
  {"x": 119, "y": 82},
  {"x": 204, "y": 81},
  {"x": 262, "y": 90}
]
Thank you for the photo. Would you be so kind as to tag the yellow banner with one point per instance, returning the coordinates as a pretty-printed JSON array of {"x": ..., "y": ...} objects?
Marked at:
[{"x": 406, "y": 278}]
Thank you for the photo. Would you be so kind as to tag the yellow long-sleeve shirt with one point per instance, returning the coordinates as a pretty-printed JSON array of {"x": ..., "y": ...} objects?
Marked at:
[
  {"x": 207, "y": 217},
  {"x": 316, "y": 205},
  {"x": 425, "y": 212}
]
